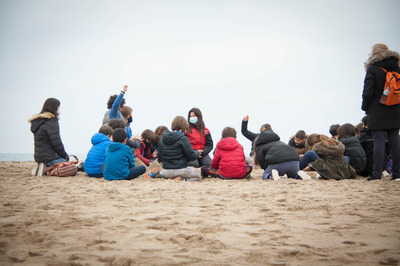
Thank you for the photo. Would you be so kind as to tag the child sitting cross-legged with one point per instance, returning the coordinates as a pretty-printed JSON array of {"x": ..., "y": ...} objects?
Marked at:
[
  {"x": 229, "y": 159},
  {"x": 119, "y": 162},
  {"x": 147, "y": 152}
]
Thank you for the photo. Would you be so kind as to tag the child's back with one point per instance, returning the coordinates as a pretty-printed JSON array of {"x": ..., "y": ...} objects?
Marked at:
[
  {"x": 229, "y": 158},
  {"x": 118, "y": 160},
  {"x": 95, "y": 156}
]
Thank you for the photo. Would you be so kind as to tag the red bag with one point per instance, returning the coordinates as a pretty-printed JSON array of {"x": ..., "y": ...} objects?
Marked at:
[
  {"x": 63, "y": 169},
  {"x": 391, "y": 91}
]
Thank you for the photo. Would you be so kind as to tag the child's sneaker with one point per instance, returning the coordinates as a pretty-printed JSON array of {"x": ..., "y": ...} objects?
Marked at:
[
  {"x": 303, "y": 175},
  {"x": 275, "y": 175},
  {"x": 178, "y": 178},
  {"x": 152, "y": 174}
]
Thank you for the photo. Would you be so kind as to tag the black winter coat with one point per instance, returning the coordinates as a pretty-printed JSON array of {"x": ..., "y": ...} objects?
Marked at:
[
  {"x": 380, "y": 116},
  {"x": 175, "y": 150},
  {"x": 270, "y": 150},
  {"x": 48, "y": 144},
  {"x": 249, "y": 135},
  {"x": 355, "y": 152}
]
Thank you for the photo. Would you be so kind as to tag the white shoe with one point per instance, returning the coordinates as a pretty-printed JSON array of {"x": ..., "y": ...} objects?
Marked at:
[
  {"x": 41, "y": 169},
  {"x": 34, "y": 170},
  {"x": 303, "y": 175},
  {"x": 274, "y": 175}
]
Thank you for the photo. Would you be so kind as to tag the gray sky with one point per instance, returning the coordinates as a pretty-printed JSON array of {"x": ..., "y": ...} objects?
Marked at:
[{"x": 293, "y": 64}]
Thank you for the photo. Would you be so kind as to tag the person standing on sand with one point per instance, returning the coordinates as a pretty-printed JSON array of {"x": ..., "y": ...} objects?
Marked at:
[
  {"x": 382, "y": 119},
  {"x": 49, "y": 148}
]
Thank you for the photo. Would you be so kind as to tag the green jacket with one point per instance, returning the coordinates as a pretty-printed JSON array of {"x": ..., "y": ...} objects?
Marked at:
[{"x": 331, "y": 163}]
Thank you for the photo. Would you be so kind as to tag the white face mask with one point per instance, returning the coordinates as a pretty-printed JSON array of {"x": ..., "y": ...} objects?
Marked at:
[{"x": 193, "y": 120}]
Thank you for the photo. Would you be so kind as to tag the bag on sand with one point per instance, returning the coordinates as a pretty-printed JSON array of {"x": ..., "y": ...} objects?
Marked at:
[
  {"x": 391, "y": 91},
  {"x": 63, "y": 169}
]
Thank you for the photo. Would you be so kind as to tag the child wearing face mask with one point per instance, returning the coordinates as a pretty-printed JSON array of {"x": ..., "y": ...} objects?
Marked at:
[
  {"x": 126, "y": 112},
  {"x": 147, "y": 152},
  {"x": 200, "y": 138}
]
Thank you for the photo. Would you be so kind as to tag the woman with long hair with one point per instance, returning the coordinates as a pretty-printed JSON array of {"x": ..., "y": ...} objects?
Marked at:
[{"x": 49, "y": 148}]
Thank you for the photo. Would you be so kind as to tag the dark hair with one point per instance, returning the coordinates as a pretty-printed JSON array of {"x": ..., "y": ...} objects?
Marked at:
[
  {"x": 229, "y": 132},
  {"x": 265, "y": 127},
  {"x": 116, "y": 123},
  {"x": 126, "y": 110},
  {"x": 51, "y": 105},
  {"x": 112, "y": 99},
  {"x": 179, "y": 123},
  {"x": 333, "y": 129},
  {"x": 312, "y": 140},
  {"x": 365, "y": 121},
  {"x": 149, "y": 135},
  {"x": 346, "y": 130},
  {"x": 159, "y": 132},
  {"x": 301, "y": 134},
  {"x": 119, "y": 135},
  {"x": 106, "y": 130},
  {"x": 200, "y": 123}
]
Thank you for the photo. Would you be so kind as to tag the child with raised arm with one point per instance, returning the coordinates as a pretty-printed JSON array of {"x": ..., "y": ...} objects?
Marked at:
[
  {"x": 114, "y": 106},
  {"x": 95, "y": 156},
  {"x": 229, "y": 159},
  {"x": 250, "y": 135},
  {"x": 119, "y": 162},
  {"x": 175, "y": 152}
]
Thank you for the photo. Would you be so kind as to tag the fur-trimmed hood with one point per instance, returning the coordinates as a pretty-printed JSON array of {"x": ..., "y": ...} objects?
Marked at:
[
  {"x": 382, "y": 56},
  {"x": 324, "y": 150},
  {"x": 46, "y": 115}
]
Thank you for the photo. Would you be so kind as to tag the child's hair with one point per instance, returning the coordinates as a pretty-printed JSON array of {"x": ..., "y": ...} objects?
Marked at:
[
  {"x": 254, "y": 151},
  {"x": 315, "y": 138},
  {"x": 229, "y": 132},
  {"x": 301, "y": 134},
  {"x": 346, "y": 130},
  {"x": 358, "y": 129},
  {"x": 333, "y": 129},
  {"x": 200, "y": 123},
  {"x": 119, "y": 135},
  {"x": 148, "y": 135},
  {"x": 126, "y": 110},
  {"x": 112, "y": 99},
  {"x": 179, "y": 123},
  {"x": 51, "y": 105},
  {"x": 364, "y": 120},
  {"x": 158, "y": 133},
  {"x": 116, "y": 123},
  {"x": 265, "y": 127},
  {"x": 106, "y": 130}
]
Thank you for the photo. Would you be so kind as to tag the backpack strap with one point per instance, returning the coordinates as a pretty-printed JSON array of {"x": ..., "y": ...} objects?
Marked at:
[{"x": 383, "y": 69}]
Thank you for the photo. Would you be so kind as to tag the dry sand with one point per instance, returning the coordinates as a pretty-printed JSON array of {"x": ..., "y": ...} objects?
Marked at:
[{"x": 86, "y": 221}]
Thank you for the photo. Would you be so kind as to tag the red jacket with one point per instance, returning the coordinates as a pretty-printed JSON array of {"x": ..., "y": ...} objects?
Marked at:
[
  {"x": 144, "y": 157},
  {"x": 197, "y": 142},
  {"x": 229, "y": 158}
]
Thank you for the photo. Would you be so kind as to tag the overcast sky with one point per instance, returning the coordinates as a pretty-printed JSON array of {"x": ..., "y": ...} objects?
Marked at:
[{"x": 293, "y": 64}]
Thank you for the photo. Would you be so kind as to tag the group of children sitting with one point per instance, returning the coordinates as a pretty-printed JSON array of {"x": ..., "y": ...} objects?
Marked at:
[{"x": 187, "y": 146}]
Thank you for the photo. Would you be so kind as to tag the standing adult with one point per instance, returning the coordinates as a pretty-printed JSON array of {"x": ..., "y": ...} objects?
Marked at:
[
  {"x": 382, "y": 119},
  {"x": 49, "y": 148}
]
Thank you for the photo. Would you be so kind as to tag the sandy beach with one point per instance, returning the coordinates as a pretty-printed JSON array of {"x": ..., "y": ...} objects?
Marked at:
[{"x": 85, "y": 221}]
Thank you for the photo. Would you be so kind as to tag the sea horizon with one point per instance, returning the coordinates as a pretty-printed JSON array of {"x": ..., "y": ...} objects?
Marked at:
[{"x": 26, "y": 157}]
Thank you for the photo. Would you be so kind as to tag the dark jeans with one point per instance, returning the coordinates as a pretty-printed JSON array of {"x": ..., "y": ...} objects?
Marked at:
[
  {"x": 208, "y": 171},
  {"x": 308, "y": 157},
  {"x": 379, "y": 151},
  {"x": 204, "y": 161}
]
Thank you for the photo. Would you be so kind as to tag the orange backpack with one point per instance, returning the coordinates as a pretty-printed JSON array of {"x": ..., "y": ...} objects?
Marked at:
[{"x": 391, "y": 91}]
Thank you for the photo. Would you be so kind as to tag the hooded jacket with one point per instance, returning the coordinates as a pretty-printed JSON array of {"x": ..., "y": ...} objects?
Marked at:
[
  {"x": 355, "y": 152},
  {"x": 270, "y": 150},
  {"x": 204, "y": 143},
  {"x": 95, "y": 156},
  {"x": 175, "y": 151},
  {"x": 331, "y": 163},
  {"x": 229, "y": 158},
  {"x": 48, "y": 144},
  {"x": 380, "y": 116},
  {"x": 118, "y": 161}
]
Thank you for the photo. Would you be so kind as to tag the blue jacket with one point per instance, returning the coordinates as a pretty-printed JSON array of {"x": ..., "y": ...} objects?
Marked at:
[
  {"x": 95, "y": 156},
  {"x": 119, "y": 160}
]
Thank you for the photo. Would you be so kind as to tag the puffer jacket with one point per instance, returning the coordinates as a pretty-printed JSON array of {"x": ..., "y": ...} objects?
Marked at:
[
  {"x": 380, "y": 116},
  {"x": 204, "y": 143},
  {"x": 48, "y": 144},
  {"x": 175, "y": 151},
  {"x": 118, "y": 161},
  {"x": 331, "y": 163},
  {"x": 270, "y": 150},
  {"x": 355, "y": 152},
  {"x": 95, "y": 156},
  {"x": 229, "y": 158}
]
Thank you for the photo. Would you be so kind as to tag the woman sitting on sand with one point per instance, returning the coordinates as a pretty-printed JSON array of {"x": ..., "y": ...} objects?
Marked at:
[
  {"x": 49, "y": 148},
  {"x": 326, "y": 157}
]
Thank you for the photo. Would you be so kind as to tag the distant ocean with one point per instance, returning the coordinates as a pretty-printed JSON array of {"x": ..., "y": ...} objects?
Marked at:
[{"x": 22, "y": 157}]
